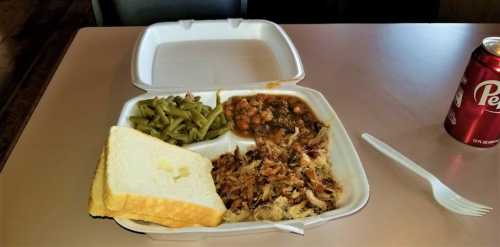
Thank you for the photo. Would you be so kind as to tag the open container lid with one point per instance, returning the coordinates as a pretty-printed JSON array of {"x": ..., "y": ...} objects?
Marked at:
[
  {"x": 241, "y": 57},
  {"x": 214, "y": 54}
]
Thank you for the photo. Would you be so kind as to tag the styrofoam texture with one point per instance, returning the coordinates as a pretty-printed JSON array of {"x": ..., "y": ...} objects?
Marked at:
[
  {"x": 192, "y": 72},
  {"x": 346, "y": 165}
]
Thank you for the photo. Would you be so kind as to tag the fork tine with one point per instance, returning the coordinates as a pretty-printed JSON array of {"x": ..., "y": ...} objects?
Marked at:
[
  {"x": 478, "y": 214},
  {"x": 483, "y": 210},
  {"x": 453, "y": 207},
  {"x": 458, "y": 197},
  {"x": 468, "y": 205},
  {"x": 475, "y": 203},
  {"x": 454, "y": 202}
]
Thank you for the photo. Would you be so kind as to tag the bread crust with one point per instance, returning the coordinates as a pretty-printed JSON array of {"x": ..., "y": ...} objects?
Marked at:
[{"x": 104, "y": 202}]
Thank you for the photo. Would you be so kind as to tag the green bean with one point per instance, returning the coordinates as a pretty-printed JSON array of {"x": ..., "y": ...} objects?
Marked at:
[
  {"x": 205, "y": 110},
  {"x": 170, "y": 119},
  {"x": 146, "y": 111},
  {"x": 143, "y": 128},
  {"x": 172, "y": 141},
  {"x": 193, "y": 134},
  {"x": 178, "y": 100},
  {"x": 198, "y": 108},
  {"x": 157, "y": 125},
  {"x": 190, "y": 125},
  {"x": 156, "y": 118},
  {"x": 148, "y": 130},
  {"x": 188, "y": 105},
  {"x": 178, "y": 128},
  {"x": 155, "y": 102},
  {"x": 217, "y": 123},
  {"x": 160, "y": 113},
  {"x": 168, "y": 139},
  {"x": 176, "y": 111},
  {"x": 210, "y": 119},
  {"x": 223, "y": 119},
  {"x": 156, "y": 122},
  {"x": 180, "y": 120},
  {"x": 174, "y": 123},
  {"x": 147, "y": 101},
  {"x": 164, "y": 135},
  {"x": 180, "y": 137},
  {"x": 217, "y": 98},
  {"x": 198, "y": 118},
  {"x": 169, "y": 99},
  {"x": 216, "y": 132},
  {"x": 155, "y": 133},
  {"x": 136, "y": 120},
  {"x": 220, "y": 120}
]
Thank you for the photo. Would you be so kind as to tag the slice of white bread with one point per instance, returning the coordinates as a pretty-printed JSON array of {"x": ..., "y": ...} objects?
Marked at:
[{"x": 143, "y": 178}]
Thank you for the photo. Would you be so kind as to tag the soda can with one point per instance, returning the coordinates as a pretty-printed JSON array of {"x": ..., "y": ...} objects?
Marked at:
[{"x": 474, "y": 115}]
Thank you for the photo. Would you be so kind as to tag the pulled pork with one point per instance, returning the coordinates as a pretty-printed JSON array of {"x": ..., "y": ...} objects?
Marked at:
[{"x": 281, "y": 178}]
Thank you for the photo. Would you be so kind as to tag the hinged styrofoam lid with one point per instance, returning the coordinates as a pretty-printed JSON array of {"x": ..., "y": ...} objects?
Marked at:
[{"x": 214, "y": 54}]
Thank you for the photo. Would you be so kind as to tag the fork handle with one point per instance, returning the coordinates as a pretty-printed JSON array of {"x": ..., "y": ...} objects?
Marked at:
[{"x": 397, "y": 156}]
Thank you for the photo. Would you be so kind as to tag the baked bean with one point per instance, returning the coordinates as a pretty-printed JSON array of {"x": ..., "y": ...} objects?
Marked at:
[
  {"x": 242, "y": 125},
  {"x": 242, "y": 104},
  {"x": 252, "y": 111},
  {"x": 254, "y": 102},
  {"x": 297, "y": 109},
  {"x": 265, "y": 114},
  {"x": 256, "y": 119}
]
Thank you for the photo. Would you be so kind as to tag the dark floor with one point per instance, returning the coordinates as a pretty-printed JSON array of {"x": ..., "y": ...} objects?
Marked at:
[
  {"x": 33, "y": 36},
  {"x": 14, "y": 14}
]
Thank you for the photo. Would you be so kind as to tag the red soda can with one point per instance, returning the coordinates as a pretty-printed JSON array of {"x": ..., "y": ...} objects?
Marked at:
[{"x": 474, "y": 116}]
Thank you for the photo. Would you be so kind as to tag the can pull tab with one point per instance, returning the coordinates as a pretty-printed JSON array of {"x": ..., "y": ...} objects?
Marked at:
[
  {"x": 235, "y": 22},
  {"x": 186, "y": 24}
]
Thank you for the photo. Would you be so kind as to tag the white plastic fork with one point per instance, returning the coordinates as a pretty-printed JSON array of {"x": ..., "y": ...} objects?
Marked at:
[{"x": 443, "y": 195}]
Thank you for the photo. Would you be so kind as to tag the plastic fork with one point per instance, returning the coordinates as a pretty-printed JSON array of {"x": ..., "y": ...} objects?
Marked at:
[{"x": 443, "y": 195}]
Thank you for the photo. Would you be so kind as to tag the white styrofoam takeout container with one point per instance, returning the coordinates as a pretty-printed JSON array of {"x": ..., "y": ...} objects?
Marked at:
[{"x": 178, "y": 69}]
